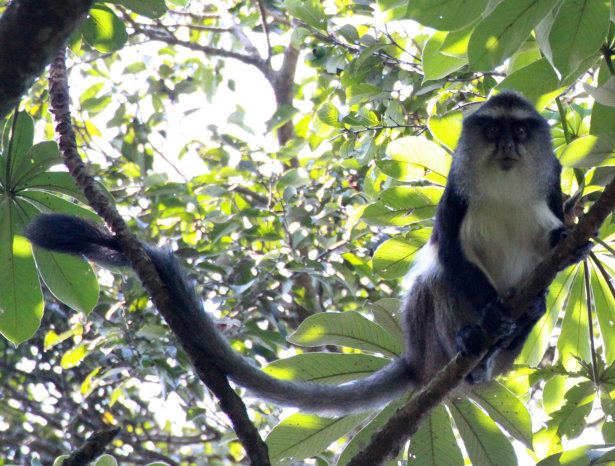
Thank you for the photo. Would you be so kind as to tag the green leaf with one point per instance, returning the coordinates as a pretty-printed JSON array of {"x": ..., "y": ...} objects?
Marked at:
[
  {"x": 501, "y": 33},
  {"x": 434, "y": 443},
  {"x": 282, "y": 115},
  {"x": 578, "y": 32},
  {"x": 349, "y": 329},
  {"x": 329, "y": 368},
  {"x": 394, "y": 257},
  {"x": 573, "y": 342},
  {"x": 45, "y": 201},
  {"x": 413, "y": 156},
  {"x": 604, "y": 303},
  {"x": 571, "y": 418},
  {"x": 329, "y": 115},
  {"x": 403, "y": 205},
  {"x": 103, "y": 30},
  {"x": 539, "y": 338},
  {"x": 17, "y": 140},
  {"x": 70, "y": 279},
  {"x": 386, "y": 313},
  {"x": 505, "y": 409},
  {"x": 577, "y": 457},
  {"x": 74, "y": 356},
  {"x": 106, "y": 460},
  {"x": 303, "y": 435},
  {"x": 484, "y": 441},
  {"x": 60, "y": 182},
  {"x": 446, "y": 128},
  {"x": 35, "y": 161},
  {"x": 537, "y": 82},
  {"x": 445, "y": 15},
  {"x": 605, "y": 94},
  {"x": 147, "y": 8},
  {"x": 60, "y": 272},
  {"x": 308, "y": 11},
  {"x": 437, "y": 65},
  {"x": 590, "y": 151},
  {"x": 363, "y": 92},
  {"x": 21, "y": 299}
]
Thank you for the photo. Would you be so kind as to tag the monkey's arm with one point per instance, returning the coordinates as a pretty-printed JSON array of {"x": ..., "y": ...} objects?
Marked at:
[{"x": 74, "y": 235}]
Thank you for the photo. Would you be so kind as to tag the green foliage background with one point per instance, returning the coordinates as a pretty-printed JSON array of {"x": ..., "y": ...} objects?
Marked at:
[{"x": 297, "y": 235}]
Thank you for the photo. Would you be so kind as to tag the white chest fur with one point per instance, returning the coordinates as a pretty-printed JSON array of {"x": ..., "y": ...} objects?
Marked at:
[{"x": 507, "y": 240}]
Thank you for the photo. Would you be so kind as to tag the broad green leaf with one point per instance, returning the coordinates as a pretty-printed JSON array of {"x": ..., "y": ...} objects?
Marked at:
[
  {"x": 386, "y": 313},
  {"x": 36, "y": 161},
  {"x": 578, "y": 32},
  {"x": 309, "y": 11},
  {"x": 394, "y": 257},
  {"x": 16, "y": 141},
  {"x": 103, "y": 30},
  {"x": 605, "y": 311},
  {"x": 537, "y": 82},
  {"x": 539, "y": 338},
  {"x": 571, "y": 418},
  {"x": 282, "y": 115},
  {"x": 74, "y": 356},
  {"x": 577, "y": 457},
  {"x": 302, "y": 435},
  {"x": 329, "y": 368},
  {"x": 484, "y": 441},
  {"x": 590, "y": 151},
  {"x": 573, "y": 341},
  {"x": 329, "y": 115},
  {"x": 21, "y": 299},
  {"x": 503, "y": 31},
  {"x": 446, "y": 128},
  {"x": 456, "y": 42},
  {"x": 412, "y": 156},
  {"x": 147, "y": 8},
  {"x": 349, "y": 329},
  {"x": 59, "y": 182},
  {"x": 45, "y": 201},
  {"x": 605, "y": 94},
  {"x": 105, "y": 460},
  {"x": 403, "y": 205},
  {"x": 434, "y": 443},
  {"x": 445, "y": 15},
  {"x": 505, "y": 409},
  {"x": 359, "y": 93},
  {"x": 602, "y": 116},
  {"x": 437, "y": 65},
  {"x": 69, "y": 279}
]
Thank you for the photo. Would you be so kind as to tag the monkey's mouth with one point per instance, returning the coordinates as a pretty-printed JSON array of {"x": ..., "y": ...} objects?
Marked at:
[{"x": 506, "y": 161}]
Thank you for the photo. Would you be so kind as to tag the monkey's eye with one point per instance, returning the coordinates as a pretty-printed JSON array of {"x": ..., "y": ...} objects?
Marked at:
[
  {"x": 492, "y": 131},
  {"x": 519, "y": 131}
]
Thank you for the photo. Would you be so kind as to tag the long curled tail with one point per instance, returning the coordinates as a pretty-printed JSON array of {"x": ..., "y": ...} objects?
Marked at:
[{"x": 74, "y": 235}]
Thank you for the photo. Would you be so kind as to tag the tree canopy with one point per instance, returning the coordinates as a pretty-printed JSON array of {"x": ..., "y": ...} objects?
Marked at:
[{"x": 292, "y": 154}]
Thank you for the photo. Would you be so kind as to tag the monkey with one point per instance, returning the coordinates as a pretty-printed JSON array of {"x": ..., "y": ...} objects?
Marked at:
[{"x": 500, "y": 214}]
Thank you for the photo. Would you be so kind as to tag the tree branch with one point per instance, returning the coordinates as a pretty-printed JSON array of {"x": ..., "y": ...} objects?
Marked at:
[
  {"x": 180, "y": 324},
  {"x": 388, "y": 441},
  {"x": 31, "y": 31}
]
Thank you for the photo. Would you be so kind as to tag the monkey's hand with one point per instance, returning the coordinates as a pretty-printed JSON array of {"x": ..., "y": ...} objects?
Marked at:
[
  {"x": 558, "y": 234},
  {"x": 493, "y": 321}
]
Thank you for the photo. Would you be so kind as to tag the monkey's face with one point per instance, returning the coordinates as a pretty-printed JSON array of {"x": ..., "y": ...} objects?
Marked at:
[
  {"x": 505, "y": 147},
  {"x": 506, "y": 141}
]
